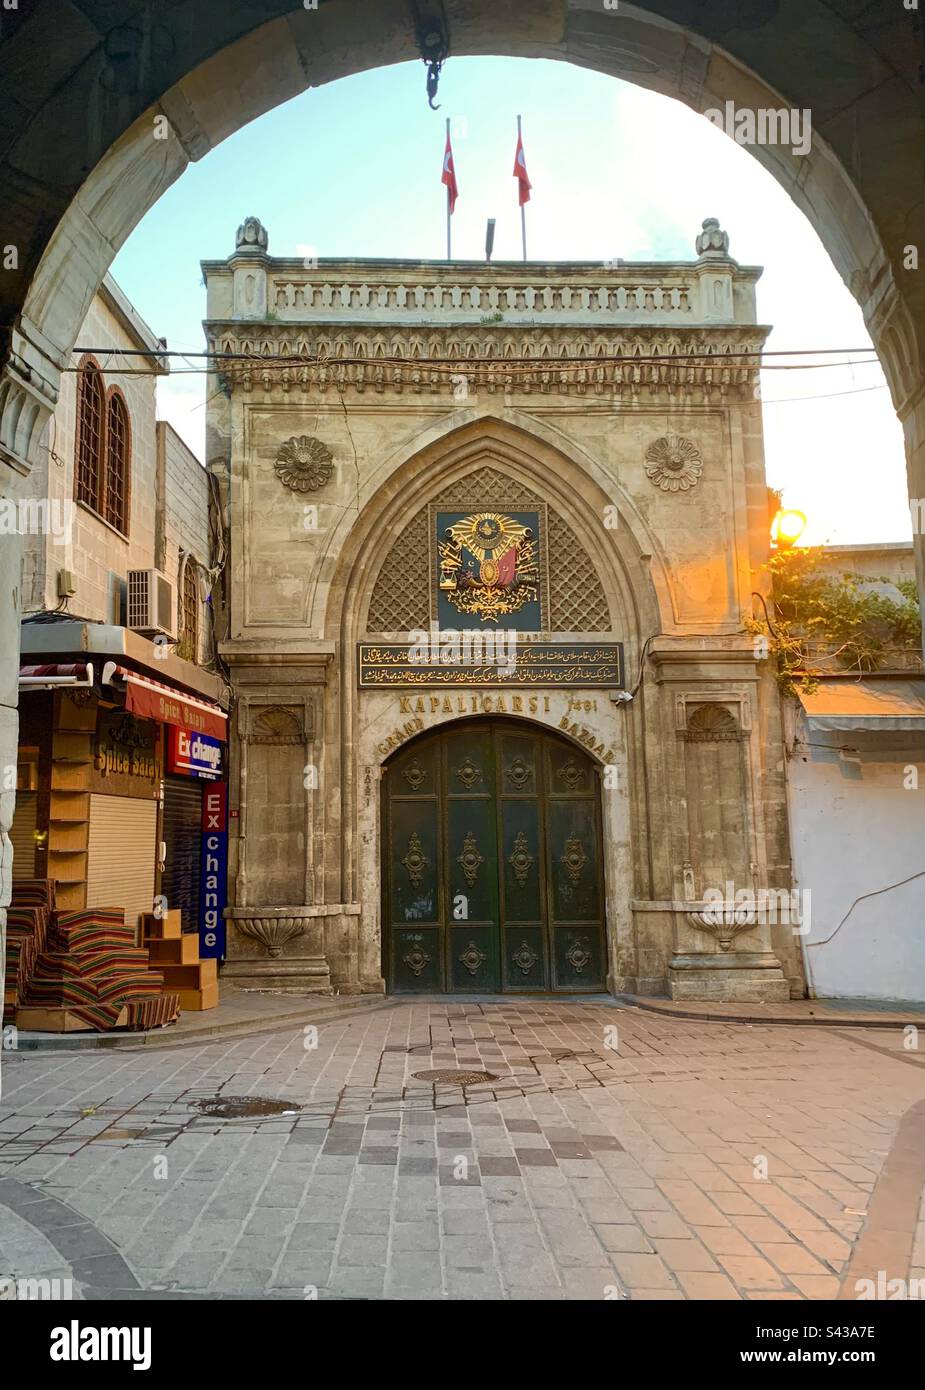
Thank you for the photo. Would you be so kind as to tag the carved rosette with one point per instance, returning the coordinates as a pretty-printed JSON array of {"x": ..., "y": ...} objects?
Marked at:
[
  {"x": 673, "y": 463},
  {"x": 272, "y": 931},
  {"x": 304, "y": 464}
]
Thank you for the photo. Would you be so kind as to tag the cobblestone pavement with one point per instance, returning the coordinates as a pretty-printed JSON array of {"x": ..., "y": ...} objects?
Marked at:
[{"x": 614, "y": 1154}]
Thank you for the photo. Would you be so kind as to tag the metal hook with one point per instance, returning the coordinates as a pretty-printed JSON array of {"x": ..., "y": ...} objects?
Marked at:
[{"x": 433, "y": 78}]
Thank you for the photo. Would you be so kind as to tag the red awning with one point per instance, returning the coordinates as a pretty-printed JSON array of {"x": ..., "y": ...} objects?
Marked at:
[
  {"x": 51, "y": 674},
  {"x": 151, "y": 699}
]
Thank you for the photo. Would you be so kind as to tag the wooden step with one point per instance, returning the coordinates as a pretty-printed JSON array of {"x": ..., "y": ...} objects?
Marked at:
[
  {"x": 35, "y": 1019},
  {"x": 173, "y": 950},
  {"x": 197, "y": 976},
  {"x": 192, "y": 1000},
  {"x": 168, "y": 927}
]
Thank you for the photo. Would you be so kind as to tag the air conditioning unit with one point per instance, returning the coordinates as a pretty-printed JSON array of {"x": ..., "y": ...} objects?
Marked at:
[{"x": 150, "y": 603}]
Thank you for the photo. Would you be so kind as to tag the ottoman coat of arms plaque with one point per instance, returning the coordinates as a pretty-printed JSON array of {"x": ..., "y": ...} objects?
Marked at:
[{"x": 488, "y": 565}]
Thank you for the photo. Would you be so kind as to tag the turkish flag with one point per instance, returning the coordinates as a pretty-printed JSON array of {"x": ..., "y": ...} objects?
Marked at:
[
  {"x": 507, "y": 567},
  {"x": 520, "y": 172},
  {"x": 449, "y": 174}
]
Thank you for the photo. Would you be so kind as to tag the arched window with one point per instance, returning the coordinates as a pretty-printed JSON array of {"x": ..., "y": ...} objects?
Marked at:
[
  {"x": 117, "y": 461},
  {"x": 103, "y": 448},
  {"x": 91, "y": 426},
  {"x": 188, "y": 645}
]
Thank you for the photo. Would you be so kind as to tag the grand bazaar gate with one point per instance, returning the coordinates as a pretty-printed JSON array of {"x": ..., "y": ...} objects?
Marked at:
[{"x": 492, "y": 863}]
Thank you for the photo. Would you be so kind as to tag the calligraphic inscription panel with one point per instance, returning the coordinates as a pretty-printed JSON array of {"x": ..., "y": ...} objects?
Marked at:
[{"x": 463, "y": 659}]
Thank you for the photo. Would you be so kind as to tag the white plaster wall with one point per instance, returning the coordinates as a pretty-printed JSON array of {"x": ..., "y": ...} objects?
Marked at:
[{"x": 857, "y": 830}]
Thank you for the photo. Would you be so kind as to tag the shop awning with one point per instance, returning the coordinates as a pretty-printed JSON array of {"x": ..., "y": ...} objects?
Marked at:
[
  {"x": 870, "y": 704},
  {"x": 51, "y": 674},
  {"x": 151, "y": 699}
]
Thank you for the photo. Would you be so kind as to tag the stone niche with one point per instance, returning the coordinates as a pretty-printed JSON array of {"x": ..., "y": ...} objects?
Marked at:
[
  {"x": 722, "y": 932},
  {"x": 276, "y": 936}
]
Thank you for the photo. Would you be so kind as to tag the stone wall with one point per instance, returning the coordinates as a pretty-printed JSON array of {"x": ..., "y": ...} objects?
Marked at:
[{"x": 96, "y": 554}]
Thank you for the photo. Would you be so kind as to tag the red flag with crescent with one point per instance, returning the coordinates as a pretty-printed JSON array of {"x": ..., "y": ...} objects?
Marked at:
[
  {"x": 520, "y": 172},
  {"x": 507, "y": 567},
  {"x": 449, "y": 174}
]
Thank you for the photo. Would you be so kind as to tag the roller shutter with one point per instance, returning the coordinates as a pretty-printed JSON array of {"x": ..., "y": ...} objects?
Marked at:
[
  {"x": 22, "y": 833},
  {"x": 121, "y": 856},
  {"x": 182, "y": 834}
]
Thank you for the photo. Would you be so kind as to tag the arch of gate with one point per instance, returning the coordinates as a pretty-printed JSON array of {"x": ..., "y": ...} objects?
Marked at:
[
  {"x": 88, "y": 89},
  {"x": 372, "y": 724},
  {"x": 88, "y": 93}
]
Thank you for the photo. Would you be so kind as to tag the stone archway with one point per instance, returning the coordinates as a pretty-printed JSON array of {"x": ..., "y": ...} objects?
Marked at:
[
  {"x": 525, "y": 454},
  {"x": 94, "y": 112},
  {"x": 79, "y": 171}
]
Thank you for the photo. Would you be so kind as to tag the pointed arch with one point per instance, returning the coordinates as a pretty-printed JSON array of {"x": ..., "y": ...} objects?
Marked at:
[{"x": 533, "y": 455}]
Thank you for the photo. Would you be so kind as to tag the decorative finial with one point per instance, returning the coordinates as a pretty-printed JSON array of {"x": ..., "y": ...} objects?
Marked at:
[
  {"x": 712, "y": 243},
  {"x": 251, "y": 235}
]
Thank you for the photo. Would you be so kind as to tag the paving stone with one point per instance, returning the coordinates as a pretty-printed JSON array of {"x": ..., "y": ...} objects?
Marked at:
[
  {"x": 654, "y": 1166},
  {"x": 663, "y": 1223},
  {"x": 367, "y": 1221},
  {"x": 265, "y": 1221},
  {"x": 643, "y": 1271},
  {"x": 686, "y": 1255},
  {"x": 626, "y": 1239},
  {"x": 704, "y": 1286},
  {"x": 318, "y": 1236},
  {"x": 408, "y": 1236},
  {"x": 751, "y": 1272}
]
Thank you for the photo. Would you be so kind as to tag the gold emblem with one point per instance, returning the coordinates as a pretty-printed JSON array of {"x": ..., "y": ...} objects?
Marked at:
[{"x": 488, "y": 565}]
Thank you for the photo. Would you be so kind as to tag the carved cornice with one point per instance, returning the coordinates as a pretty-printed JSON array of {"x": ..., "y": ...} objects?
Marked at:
[{"x": 690, "y": 364}]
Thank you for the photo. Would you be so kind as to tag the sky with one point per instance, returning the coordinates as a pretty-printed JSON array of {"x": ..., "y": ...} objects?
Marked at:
[{"x": 353, "y": 169}]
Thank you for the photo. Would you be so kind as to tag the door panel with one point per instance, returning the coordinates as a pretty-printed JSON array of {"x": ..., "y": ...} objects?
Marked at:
[
  {"x": 472, "y": 876},
  {"x": 492, "y": 856}
]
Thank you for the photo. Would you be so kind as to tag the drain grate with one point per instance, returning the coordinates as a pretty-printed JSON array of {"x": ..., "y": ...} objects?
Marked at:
[
  {"x": 455, "y": 1078},
  {"x": 244, "y": 1107}
]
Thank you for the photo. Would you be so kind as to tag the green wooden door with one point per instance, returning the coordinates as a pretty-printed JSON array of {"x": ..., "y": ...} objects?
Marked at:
[{"x": 492, "y": 864}]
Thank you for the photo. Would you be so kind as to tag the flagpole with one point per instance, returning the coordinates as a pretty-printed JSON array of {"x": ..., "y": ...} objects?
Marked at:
[
  {"x": 448, "y": 217},
  {"x": 523, "y": 215}
]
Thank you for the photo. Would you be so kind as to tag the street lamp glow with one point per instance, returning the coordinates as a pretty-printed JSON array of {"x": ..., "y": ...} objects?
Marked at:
[{"x": 787, "y": 528}]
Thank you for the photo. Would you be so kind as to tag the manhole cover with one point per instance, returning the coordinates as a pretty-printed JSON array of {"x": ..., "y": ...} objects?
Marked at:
[
  {"x": 244, "y": 1107},
  {"x": 455, "y": 1078}
]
